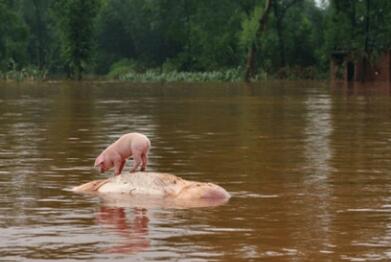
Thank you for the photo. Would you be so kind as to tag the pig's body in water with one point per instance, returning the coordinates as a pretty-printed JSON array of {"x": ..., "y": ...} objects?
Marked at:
[{"x": 167, "y": 189}]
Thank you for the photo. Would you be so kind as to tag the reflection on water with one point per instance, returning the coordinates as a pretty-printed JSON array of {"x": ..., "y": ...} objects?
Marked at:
[
  {"x": 317, "y": 135},
  {"x": 307, "y": 165},
  {"x": 134, "y": 232},
  {"x": 317, "y": 153}
]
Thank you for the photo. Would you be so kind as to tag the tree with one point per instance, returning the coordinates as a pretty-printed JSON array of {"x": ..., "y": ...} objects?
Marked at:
[
  {"x": 360, "y": 28},
  {"x": 211, "y": 41},
  {"x": 250, "y": 68},
  {"x": 76, "y": 20},
  {"x": 36, "y": 14},
  {"x": 280, "y": 8},
  {"x": 13, "y": 36},
  {"x": 188, "y": 35}
]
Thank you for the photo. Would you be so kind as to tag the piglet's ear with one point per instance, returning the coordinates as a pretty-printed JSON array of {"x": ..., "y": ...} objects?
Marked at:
[{"x": 99, "y": 160}]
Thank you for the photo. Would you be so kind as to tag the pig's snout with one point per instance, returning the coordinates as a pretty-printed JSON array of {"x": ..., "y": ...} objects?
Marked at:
[{"x": 99, "y": 168}]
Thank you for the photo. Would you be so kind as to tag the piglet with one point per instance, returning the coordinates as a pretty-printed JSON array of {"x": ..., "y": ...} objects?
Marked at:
[{"x": 133, "y": 145}]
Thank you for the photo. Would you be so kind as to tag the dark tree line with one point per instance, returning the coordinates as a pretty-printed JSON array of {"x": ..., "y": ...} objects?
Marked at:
[{"x": 75, "y": 37}]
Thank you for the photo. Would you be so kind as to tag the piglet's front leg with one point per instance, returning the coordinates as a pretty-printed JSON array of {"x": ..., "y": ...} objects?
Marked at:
[{"x": 118, "y": 166}]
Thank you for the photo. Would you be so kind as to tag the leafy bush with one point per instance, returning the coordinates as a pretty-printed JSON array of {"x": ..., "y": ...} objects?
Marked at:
[
  {"x": 122, "y": 67},
  {"x": 28, "y": 73},
  {"x": 297, "y": 72},
  {"x": 157, "y": 75}
]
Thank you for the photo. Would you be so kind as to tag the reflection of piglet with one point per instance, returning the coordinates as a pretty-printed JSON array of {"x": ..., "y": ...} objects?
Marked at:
[{"x": 133, "y": 145}]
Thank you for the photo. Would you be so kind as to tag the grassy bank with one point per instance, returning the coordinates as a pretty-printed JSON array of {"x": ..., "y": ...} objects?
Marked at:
[
  {"x": 24, "y": 74},
  {"x": 158, "y": 75}
]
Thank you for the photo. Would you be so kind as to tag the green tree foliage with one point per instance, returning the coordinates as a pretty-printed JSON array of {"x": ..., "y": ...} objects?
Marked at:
[
  {"x": 359, "y": 26},
  {"x": 212, "y": 35},
  {"x": 76, "y": 21},
  {"x": 36, "y": 18},
  {"x": 262, "y": 19},
  {"x": 303, "y": 33},
  {"x": 185, "y": 34},
  {"x": 13, "y": 36},
  {"x": 250, "y": 25},
  {"x": 132, "y": 37}
]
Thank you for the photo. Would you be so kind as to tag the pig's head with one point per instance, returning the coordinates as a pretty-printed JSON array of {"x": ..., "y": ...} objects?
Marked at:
[{"x": 103, "y": 163}]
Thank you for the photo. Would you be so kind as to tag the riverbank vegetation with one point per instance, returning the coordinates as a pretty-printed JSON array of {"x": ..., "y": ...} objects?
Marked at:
[{"x": 186, "y": 40}]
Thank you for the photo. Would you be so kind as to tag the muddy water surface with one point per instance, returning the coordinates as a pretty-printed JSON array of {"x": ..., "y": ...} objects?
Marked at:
[{"x": 308, "y": 167}]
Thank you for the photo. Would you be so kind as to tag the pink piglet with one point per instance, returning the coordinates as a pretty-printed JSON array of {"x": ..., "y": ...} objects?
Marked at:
[{"x": 133, "y": 145}]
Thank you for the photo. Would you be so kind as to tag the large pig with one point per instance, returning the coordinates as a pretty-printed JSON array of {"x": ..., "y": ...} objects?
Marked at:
[
  {"x": 133, "y": 145},
  {"x": 152, "y": 189}
]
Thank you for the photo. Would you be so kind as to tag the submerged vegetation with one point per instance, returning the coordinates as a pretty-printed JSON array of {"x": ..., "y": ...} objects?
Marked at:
[
  {"x": 174, "y": 76},
  {"x": 187, "y": 40},
  {"x": 28, "y": 73}
]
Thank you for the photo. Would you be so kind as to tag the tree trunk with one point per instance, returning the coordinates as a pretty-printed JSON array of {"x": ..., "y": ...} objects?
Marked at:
[
  {"x": 250, "y": 69},
  {"x": 366, "y": 60},
  {"x": 79, "y": 71},
  {"x": 280, "y": 10},
  {"x": 39, "y": 24},
  {"x": 250, "y": 63},
  {"x": 281, "y": 44}
]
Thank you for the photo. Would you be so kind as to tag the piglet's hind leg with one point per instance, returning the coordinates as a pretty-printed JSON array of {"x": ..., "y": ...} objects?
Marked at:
[
  {"x": 144, "y": 158},
  {"x": 137, "y": 161}
]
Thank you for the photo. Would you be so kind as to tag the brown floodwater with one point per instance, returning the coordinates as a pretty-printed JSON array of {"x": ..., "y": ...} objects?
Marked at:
[{"x": 308, "y": 167}]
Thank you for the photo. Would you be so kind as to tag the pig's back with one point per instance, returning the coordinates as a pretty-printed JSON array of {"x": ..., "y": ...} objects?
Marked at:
[{"x": 129, "y": 143}]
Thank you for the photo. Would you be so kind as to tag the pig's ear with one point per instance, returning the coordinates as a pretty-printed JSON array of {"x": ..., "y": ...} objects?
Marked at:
[{"x": 99, "y": 160}]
